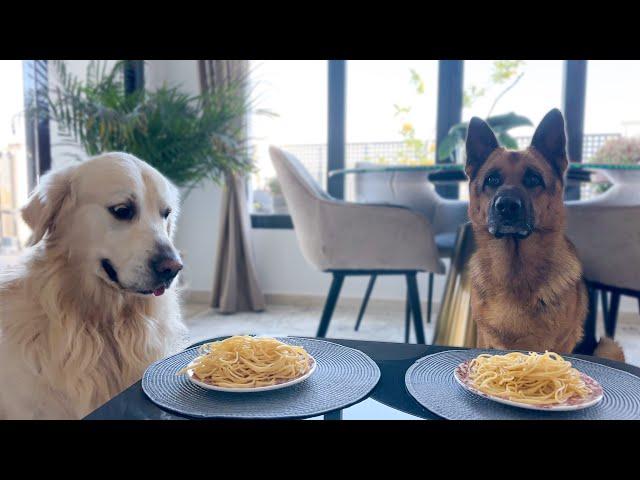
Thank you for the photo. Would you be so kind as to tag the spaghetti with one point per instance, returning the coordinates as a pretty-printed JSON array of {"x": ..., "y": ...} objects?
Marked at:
[
  {"x": 248, "y": 362},
  {"x": 534, "y": 379}
]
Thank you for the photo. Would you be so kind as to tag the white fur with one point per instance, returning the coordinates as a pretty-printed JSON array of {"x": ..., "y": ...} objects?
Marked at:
[{"x": 71, "y": 339}]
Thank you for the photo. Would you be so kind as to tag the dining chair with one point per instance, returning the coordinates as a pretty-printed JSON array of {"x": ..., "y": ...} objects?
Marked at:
[
  {"x": 606, "y": 232},
  {"x": 351, "y": 239},
  {"x": 413, "y": 190}
]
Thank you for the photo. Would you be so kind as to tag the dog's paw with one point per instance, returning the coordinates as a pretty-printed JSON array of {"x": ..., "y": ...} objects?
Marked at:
[{"x": 610, "y": 349}]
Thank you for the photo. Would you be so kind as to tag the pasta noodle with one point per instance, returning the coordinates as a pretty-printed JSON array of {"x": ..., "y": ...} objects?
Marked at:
[
  {"x": 534, "y": 379},
  {"x": 246, "y": 362}
]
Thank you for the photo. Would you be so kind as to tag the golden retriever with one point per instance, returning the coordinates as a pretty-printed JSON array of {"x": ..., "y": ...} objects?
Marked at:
[{"x": 89, "y": 307}]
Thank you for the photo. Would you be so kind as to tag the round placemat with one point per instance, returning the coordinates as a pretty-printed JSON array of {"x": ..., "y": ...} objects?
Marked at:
[
  {"x": 343, "y": 377},
  {"x": 430, "y": 381}
]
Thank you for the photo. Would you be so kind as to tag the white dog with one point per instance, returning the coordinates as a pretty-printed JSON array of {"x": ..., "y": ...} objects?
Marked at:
[{"x": 89, "y": 307}]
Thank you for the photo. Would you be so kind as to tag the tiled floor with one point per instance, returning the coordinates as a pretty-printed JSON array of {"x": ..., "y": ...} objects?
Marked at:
[{"x": 385, "y": 324}]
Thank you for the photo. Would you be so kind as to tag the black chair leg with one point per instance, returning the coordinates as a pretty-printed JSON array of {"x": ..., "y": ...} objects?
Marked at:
[
  {"x": 429, "y": 297},
  {"x": 414, "y": 299},
  {"x": 365, "y": 301},
  {"x": 589, "y": 342},
  {"x": 611, "y": 319},
  {"x": 605, "y": 305},
  {"x": 407, "y": 318},
  {"x": 330, "y": 304}
]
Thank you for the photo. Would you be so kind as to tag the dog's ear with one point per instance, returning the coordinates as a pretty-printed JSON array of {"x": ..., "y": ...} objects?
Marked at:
[
  {"x": 481, "y": 141},
  {"x": 46, "y": 202},
  {"x": 550, "y": 141}
]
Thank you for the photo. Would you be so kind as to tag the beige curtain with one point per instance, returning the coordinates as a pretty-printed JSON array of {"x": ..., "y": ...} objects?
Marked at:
[{"x": 235, "y": 285}]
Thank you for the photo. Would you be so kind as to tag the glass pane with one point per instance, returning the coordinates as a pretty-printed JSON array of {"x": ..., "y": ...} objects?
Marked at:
[
  {"x": 391, "y": 113},
  {"x": 295, "y": 91},
  {"x": 13, "y": 160},
  {"x": 528, "y": 88},
  {"x": 612, "y": 117},
  {"x": 612, "y": 108}
]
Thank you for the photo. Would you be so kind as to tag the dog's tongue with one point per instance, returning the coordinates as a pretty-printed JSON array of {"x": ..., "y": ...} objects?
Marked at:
[{"x": 158, "y": 291}]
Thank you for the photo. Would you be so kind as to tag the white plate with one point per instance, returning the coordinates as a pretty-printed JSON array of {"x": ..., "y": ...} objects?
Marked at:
[
  {"x": 597, "y": 393},
  {"x": 314, "y": 364}
]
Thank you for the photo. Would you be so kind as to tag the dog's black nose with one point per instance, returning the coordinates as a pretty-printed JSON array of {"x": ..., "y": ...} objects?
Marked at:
[
  {"x": 166, "y": 267},
  {"x": 508, "y": 207}
]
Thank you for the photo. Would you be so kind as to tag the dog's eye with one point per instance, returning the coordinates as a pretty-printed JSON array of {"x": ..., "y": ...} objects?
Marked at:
[
  {"x": 493, "y": 180},
  {"x": 532, "y": 180},
  {"x": 123, "y": 211},
  {"x": 166, "y": 213}
]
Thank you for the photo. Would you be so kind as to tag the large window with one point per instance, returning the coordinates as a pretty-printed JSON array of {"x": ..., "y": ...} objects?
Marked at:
[
  {"x": 612, "y": 107},
  {"x": 390, "y": 114},
  {"x": 14, "y": 183},
  {"x": 294, "y": 92},
  {"x": 526, "y": 87}
]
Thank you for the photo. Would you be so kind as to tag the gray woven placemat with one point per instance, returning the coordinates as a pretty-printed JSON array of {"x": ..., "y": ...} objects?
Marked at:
[
  {"x": 343, "y": 377},
  {"x": 430, "y": 381}
]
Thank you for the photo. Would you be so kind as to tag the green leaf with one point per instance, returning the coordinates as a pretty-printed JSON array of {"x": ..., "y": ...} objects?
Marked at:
[
  {"x": 508, "y": 141},
  {"x": 447, "y": 146}
]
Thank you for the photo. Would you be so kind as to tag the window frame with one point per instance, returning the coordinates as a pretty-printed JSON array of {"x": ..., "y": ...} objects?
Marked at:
[{"x": 37, "y": 131}]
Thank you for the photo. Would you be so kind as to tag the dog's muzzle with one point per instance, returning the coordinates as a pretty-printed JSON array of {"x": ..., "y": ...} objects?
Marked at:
[
  {"x": 165, "y": 266},
  {"x": 509, "y": 215}
]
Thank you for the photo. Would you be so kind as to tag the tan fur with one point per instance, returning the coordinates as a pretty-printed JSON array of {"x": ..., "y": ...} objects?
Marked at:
[
  {"x": 527, "y": 294},
  {"x": 69, "y": 341},
  {"x": 610, "y": 349}
]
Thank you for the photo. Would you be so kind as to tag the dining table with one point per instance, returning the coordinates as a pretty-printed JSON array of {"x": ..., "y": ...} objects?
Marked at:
[{"x": 389, "y": 399}]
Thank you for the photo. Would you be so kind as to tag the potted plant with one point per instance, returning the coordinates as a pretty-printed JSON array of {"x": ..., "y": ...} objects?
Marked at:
[
  {"x": 188, "y": 138},
  {"x": 279, "y": 203},
  {"x": 617, "y": 151}
]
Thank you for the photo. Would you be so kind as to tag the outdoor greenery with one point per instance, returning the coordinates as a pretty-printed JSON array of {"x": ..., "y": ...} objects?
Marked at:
[
  {"x": 188, "y": 138},
  {"x": 505, "y": 74},
  {"x": 624, "y": 150}
]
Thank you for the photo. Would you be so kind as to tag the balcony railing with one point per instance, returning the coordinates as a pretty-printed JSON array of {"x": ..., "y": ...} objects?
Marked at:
[{"x": 314, "y": 156}]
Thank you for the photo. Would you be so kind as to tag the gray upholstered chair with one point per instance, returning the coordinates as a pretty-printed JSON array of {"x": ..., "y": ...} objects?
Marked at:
[
  {"x": 606, "y": 233},
  {"x": 413, "y": 190},
  {"x": 345, "y": 238}
]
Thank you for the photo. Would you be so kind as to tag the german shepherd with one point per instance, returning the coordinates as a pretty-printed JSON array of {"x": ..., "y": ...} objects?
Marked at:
[{"x": 527, "y": 288}]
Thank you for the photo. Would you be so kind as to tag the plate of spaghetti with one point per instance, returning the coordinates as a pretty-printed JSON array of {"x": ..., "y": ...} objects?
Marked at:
[
  {"x": 536, "y": 381},
  {"x": 244, "y": 363}
]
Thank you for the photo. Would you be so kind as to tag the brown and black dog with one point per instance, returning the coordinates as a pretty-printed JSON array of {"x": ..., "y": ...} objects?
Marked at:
[{"x": 527, "y": 288}]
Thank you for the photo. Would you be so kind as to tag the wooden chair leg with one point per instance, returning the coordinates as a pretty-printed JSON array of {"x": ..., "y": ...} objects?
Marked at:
[
  {"x": 407, "y": 318},
  {"x": 430, "y": 297},
  {"x": 365, "y": 301},
  {"x": 612, "y": 318},
  {"x": 330, "y": 304},
  {"x": 414, "y": 298}
]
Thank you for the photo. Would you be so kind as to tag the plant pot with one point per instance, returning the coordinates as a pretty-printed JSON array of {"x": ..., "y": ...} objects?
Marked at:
[{"x": 279, "y": 204}]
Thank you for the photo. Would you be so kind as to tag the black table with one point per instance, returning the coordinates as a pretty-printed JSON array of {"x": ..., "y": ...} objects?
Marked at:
[{"x": 388, "y": 401}]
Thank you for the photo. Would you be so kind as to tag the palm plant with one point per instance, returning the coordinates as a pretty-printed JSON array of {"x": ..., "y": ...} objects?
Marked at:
[{"x": 188, "y": 138}]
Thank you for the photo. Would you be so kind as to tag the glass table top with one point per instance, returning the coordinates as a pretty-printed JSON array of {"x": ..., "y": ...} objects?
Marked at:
[{"x": 457, "y": 167}]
